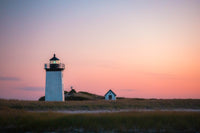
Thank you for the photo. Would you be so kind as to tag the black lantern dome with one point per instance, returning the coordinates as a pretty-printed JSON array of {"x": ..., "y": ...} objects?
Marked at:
[{"x": 54, "y": 57}]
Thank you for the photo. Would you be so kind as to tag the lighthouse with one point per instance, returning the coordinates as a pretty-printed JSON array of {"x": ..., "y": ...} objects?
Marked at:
[{"x": 54, "y": 84}]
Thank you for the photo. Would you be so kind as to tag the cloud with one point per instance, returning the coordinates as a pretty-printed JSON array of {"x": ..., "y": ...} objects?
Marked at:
[
  {"x": 9, "y": 79},
  {"x": 30, "y": 88}
]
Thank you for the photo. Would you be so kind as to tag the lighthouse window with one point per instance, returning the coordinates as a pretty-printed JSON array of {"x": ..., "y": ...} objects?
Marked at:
[{"x": 55, "y": 62}]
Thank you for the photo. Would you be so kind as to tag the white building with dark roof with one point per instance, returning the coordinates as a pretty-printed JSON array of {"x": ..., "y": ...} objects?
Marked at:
[{"x": 110, "y": 95}]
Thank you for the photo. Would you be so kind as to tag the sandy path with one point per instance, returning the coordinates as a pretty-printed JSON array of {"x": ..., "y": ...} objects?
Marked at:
[{"x": 115, "y": 111}]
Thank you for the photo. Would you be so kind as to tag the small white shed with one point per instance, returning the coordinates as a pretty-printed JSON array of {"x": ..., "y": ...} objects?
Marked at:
[{"x": 110, "y": 95}]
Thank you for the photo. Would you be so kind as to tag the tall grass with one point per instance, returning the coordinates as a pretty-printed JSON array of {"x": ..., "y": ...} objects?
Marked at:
[
  {"x": 102, "y": 104},
  {"x": 155, "y": 121}
]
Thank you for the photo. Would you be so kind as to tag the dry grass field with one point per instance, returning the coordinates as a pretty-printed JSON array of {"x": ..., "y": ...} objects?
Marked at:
[
  {"x": 134, "y": 103},
  {"x": 22, "y": 116}
]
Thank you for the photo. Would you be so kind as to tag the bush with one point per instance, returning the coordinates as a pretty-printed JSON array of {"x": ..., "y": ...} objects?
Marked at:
[{"x": 42, "y": 98}]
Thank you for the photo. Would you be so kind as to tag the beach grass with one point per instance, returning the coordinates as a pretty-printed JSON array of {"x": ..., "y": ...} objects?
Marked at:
[
  {"x": 134, "y": 121},
  {"x": 27, "y": 116},
  {"x": 134, "y": 103}
]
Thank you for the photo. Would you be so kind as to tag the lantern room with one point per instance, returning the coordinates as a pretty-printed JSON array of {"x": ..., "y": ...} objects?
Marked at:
[
  {"x": 54, "y": 64},
  {"x": 54, "y": 60}
]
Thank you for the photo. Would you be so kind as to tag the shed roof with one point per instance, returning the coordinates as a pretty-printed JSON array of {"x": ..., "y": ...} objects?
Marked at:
[{"x": 111, "y": 92}]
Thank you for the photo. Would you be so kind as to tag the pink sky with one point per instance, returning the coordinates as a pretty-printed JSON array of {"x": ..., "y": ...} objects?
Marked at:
[{"x": 146, "y": 49}]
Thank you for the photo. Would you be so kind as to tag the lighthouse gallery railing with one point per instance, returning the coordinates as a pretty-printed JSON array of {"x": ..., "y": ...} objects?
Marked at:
[{"x": 48, "y": 66}]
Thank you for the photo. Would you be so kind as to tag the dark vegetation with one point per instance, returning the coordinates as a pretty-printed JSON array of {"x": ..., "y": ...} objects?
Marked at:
[
  {"x": 15, "y": 120},
  {"x": 80, "y": 96},
  {"x": 132, "y": 103}
]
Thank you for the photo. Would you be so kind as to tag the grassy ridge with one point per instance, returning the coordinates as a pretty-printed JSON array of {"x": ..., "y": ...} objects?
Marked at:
[
  {"x": 18, "y": 121},
  {"x": 78, "y": 96},
  {"x": 102, "y": 104}
]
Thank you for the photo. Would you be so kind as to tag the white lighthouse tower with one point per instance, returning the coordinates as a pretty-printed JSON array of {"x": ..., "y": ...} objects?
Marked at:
[{"x": 54, "y": 85}]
